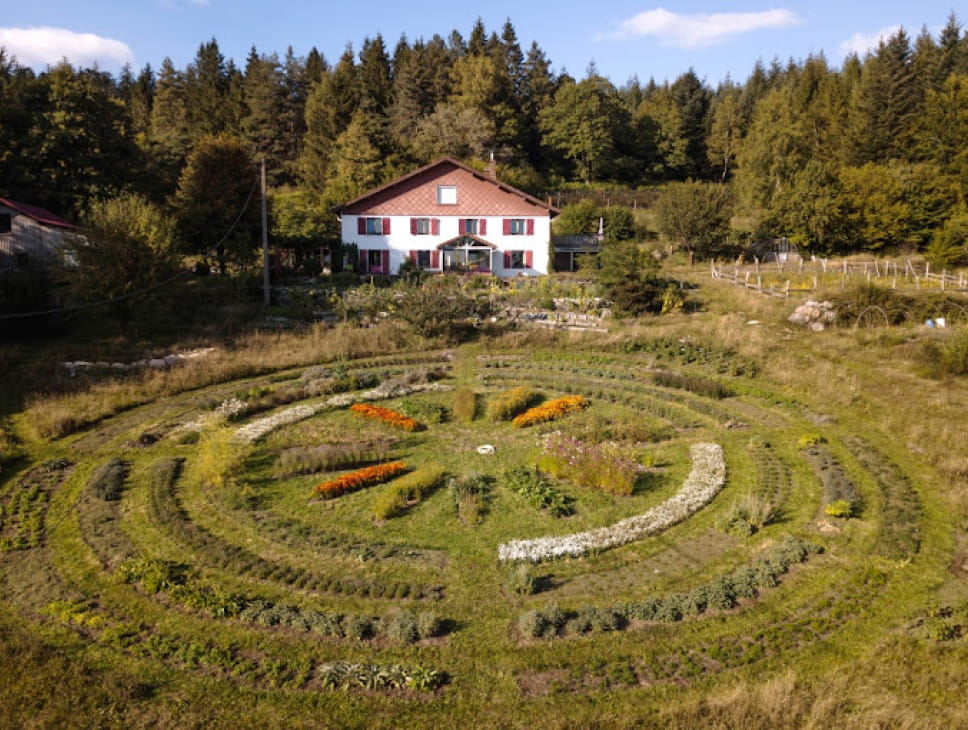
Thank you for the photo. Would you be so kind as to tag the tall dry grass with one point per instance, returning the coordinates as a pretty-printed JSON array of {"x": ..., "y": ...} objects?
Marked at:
[{"x": 54, "y": 416}]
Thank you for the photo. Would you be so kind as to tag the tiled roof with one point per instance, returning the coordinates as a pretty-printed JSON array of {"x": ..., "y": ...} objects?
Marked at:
[
  {"x": 37, "y": 213},
  {"x": 477, "y": 195}
]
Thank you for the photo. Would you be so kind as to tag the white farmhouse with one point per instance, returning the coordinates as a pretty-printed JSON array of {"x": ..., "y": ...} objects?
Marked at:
[{"x": 447, "y": 216}]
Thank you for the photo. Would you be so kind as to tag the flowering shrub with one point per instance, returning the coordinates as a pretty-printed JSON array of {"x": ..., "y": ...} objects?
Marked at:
[
  {"x": 360, "y": 478},
  {"x": 707, "y": 477},
  {"x": 508, "y": 404},
  {"x": 390, "y": 417},
  {"x": 550, "y": 411},
  {"x": 601, "y": 466}
]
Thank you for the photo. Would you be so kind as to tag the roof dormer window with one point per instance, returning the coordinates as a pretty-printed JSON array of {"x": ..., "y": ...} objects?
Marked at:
[{"x": 446, "y": 195}]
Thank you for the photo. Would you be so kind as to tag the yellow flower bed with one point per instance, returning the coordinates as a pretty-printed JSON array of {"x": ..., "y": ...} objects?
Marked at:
[{"x": 551, "y": 410}]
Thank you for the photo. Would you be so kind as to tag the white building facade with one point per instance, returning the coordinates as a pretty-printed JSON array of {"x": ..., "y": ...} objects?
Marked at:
[{"x": 447, "y": 216}]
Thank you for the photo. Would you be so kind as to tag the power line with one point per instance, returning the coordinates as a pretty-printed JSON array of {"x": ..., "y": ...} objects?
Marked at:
[
  {"x": 89, "y": 305},
  {"x": 130, "y": 295}
]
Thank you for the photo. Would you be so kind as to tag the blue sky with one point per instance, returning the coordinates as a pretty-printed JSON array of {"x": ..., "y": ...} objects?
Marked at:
[{"x": 659, "y": 39}]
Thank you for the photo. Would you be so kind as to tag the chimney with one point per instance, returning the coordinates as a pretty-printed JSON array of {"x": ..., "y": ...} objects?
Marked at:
[{"x": 491, "y": 168}]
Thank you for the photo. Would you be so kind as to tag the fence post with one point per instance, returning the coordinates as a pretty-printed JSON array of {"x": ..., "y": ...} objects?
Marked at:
[{"x": 787, "y": 291}]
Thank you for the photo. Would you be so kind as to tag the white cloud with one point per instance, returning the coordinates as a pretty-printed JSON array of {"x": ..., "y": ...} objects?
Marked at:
[
  {"x": 701, "y": 29},
  {"x": 40, "y": 47},
  {"x": 860, "y": 43}
]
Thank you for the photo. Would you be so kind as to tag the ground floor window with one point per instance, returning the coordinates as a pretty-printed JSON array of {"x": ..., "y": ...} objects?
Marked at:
[
  {"x": 518, "y": 259},
  {"x": 373, "y": 261}
]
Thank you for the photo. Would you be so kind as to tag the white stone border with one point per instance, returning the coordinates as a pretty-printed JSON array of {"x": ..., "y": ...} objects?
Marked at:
[
  {"x": 260, "y": 427},
  {"x": 707, "y": 477}
]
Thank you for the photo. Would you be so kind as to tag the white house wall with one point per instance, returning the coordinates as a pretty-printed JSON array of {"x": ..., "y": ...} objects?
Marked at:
[{"x": 400, "y": 242}]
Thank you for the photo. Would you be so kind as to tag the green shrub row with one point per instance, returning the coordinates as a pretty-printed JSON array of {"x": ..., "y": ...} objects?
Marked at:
[
  {"x": 23, "y": 507},
  {"x": 302, "y": 536},
  {"x": 721, "y": 593},
  {"x": 694, "y": 384},
  {"x": 330, "y": 457},
  {"x": 666, "y": 349},
  {"x": 155, "y": 575},
  {"x": 538, "y": 492},
  {"x": 397, "y": 496},
  {"x": 840, "y": 495},
  {"x": 506, "y": 405},
  {"x": 166, "y": 510},
  {"x": 107, "y": 482},
  {"x": 899, "y": 534},
  {"x": 237, "y": 662}
]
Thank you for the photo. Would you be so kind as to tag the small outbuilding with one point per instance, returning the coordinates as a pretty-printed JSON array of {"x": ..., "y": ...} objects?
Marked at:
[{"x": 29, "y": 233}]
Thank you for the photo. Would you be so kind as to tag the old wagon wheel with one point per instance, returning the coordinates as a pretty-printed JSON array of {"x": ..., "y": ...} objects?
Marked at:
[{"x": 869, "y": 317}]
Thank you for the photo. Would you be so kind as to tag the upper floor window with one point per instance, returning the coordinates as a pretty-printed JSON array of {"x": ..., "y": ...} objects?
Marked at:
[
  {"x": 373, "y": 226},
  {"x": 447, "y": 195},
  {"x": 473, "y": 226},
  {"x": 519, "y": 226},
  {"x": 424, "y": 226}
]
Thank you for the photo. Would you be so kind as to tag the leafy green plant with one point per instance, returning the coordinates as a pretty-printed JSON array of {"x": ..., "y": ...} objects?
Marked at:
[
  {"x": 470, "y": 495},
  {"x": 748, "y": 516},
  {"x": 521, "y": 579},
  {"x": 425, "y": 411},
  {"x": 538, "y": 491},
  {"x": 402, "y": 628}
]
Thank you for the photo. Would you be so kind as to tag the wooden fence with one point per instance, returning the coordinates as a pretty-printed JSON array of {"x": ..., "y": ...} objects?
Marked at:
[{"x": 831, "y": 272}]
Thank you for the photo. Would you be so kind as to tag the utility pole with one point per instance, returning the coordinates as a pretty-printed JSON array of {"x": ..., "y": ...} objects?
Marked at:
[{"x": 265, "y": 239}]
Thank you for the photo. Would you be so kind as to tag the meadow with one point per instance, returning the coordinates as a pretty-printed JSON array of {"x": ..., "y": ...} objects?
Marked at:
[{"x": 307, "y": 531}]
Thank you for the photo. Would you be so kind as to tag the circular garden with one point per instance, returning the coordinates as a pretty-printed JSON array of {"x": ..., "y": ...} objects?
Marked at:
[{"x": 468, "y": 535}]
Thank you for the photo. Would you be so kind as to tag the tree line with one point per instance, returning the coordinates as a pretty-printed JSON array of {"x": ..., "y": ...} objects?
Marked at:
[{"x": 866, "y": 156}]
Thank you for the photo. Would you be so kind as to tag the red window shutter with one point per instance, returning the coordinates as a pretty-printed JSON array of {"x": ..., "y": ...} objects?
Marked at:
[
  {"x": 435, "y": 259},
  {"x": 386, "y": 226},
  {"x": 361, "y": 226},
  {"x": 530, "y": 225},
  {"x": 413, "y": 226},
  {"x": 435, "y": 226},
  {"x": 507, "y": 226},
  {"x": 529, "y": 257},
  {"x": 461, "y": 226},
  {"x": 362, "y": 262},
  {"x": 413, "y": 256},
  {"x": 482, "y": 226},
  {"x": 507, "y": 259}
]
